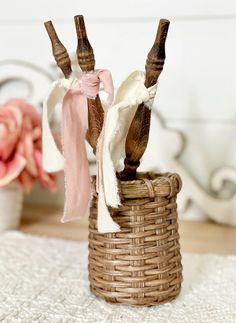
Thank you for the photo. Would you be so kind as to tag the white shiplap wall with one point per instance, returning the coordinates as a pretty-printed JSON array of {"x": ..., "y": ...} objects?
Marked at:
[{"x": 197, "y": 88}]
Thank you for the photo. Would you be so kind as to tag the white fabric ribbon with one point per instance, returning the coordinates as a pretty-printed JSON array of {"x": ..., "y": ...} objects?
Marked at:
[
  {"x": 130, "y": 94},
  {"x": 53, "y": 160}
]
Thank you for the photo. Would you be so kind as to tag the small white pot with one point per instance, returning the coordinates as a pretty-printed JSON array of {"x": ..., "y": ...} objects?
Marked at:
[{"x": 11, "y": 201}]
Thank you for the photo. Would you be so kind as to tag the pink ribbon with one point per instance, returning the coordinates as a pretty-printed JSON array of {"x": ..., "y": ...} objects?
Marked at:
[{"x": 74, "y": 127}]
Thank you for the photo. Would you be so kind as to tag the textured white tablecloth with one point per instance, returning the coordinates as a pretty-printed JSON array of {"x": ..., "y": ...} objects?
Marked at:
[{"x": 45, "y": 280}]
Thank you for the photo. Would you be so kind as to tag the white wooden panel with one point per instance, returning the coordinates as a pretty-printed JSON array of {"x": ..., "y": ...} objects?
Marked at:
[
  {"x": 105, "y": 9},
  {"x": 199, "y": 78},
  {"x": 117, "y": 47}
]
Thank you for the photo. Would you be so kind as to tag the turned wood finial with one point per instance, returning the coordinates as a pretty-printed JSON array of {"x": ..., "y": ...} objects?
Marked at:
[
  {"x": 84, "y": 51},
  {"x": 86, "y": 62},
  {"x": 58, "y": 49},
  {"x": 156, "y": 56},
  {"x": 137, "y": 137}
]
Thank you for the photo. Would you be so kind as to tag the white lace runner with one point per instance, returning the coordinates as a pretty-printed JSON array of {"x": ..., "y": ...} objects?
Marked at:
[{"x": 46, "y": 280}]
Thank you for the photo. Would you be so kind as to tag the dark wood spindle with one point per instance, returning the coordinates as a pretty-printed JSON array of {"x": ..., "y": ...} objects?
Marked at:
[
  {"x": 86, "y": 62},
  {"x": 59, "y": 51},
  {"x": 137, "y": 138}
]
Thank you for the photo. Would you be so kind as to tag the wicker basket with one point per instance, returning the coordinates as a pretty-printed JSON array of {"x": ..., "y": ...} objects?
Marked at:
[{"x": 141, "y": 265}]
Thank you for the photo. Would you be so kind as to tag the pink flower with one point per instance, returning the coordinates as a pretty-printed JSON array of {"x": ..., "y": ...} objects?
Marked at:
[
  {"x": 11, "y": 121},
  {"x": 20, "y": 146}
]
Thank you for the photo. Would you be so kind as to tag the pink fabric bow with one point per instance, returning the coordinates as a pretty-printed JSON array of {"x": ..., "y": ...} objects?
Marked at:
[{"x": 74, "y": 128}]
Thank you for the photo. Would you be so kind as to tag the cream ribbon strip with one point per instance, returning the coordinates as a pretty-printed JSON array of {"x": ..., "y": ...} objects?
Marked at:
[{"x": 130, "y": 94}]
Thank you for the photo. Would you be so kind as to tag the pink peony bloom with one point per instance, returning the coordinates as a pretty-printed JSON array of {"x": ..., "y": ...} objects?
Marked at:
[
  {"x": 20, "y": 146},
  {"x": 11, "y": 121}
]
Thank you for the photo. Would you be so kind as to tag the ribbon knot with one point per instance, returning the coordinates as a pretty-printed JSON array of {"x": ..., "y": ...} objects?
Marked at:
[{"x": 90, "y": 83}]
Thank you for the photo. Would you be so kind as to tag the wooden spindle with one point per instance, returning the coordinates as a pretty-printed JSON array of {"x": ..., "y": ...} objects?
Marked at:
[
  {"x": 84, "y": 51},
  {"x": 86, "y": 62},
  {"x": 59, "y": 51},
  {"x": 137, "y": 138}
]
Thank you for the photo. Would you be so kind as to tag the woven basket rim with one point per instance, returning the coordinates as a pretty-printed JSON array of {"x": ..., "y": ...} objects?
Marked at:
[
  {"x": 149, "y": 184},
  {"x": 155, "y": 178}
]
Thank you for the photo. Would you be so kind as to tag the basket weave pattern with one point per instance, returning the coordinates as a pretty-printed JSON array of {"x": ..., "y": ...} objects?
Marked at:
[{"x": 141, "y": 264}]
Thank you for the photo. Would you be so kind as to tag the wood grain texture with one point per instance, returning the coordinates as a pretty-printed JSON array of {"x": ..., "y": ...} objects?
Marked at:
[
  {"x": 137, "y": 138},
  {"x": 86, "y": 62},
  {"x": 59, "y": 51}
]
